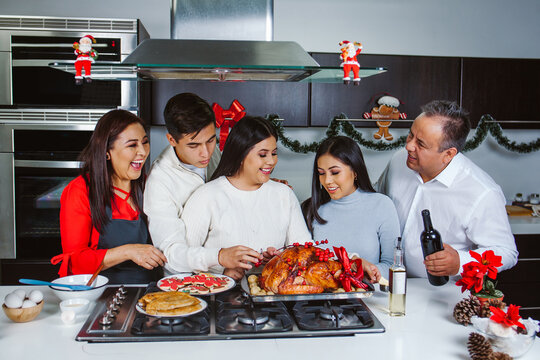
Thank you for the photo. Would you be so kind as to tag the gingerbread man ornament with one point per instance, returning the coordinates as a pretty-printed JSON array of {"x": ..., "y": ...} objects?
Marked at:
[{"x": 384, "y": 114}]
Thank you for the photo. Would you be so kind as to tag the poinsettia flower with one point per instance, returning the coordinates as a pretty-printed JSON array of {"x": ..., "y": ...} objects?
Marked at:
[
  {"x": 508, "y": 319},
  {"x": 489, "y": 261},
  {"x": 472, "y": 277}
]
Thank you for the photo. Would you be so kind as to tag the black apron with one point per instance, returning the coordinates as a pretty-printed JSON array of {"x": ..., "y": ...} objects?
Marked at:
[{"x": 121, "y": 232}]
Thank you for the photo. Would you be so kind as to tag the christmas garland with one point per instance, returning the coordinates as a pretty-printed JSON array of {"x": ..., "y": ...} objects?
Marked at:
[
  {"x": 488, "y": 124},
  {"x": 339, "y": 123}
]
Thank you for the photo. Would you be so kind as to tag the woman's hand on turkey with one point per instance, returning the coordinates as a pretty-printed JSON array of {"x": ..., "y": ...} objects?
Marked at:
[
  {"x": 238, "y": 257},
  {"x": 371, "y": 272},
  {"x": 146, "y": 255},
  {"x": 269, "y": 254},
  {"x": 236, "y": 273}
]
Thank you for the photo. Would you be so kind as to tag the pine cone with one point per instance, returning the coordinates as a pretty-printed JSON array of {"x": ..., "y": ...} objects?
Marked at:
[
  {"x": 484, "y": 308},
  {"x": 479, "y": 348},
  {"x": 500, "y": 356},
  {"x": 465, "y": 309}
]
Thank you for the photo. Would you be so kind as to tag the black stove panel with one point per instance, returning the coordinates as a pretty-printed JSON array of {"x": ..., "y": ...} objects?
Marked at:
[{"x": 230, "y": 315}]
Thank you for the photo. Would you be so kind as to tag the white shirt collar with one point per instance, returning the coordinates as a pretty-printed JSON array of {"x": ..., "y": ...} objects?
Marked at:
[
  {"x": 449, "y": 173},
  {"x": 200, "y": 171}
]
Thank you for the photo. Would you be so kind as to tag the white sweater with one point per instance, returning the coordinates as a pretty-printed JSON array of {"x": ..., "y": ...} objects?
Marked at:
[
  {"x": 218, "y": 215},
  {"x": 168, "y": 187}
]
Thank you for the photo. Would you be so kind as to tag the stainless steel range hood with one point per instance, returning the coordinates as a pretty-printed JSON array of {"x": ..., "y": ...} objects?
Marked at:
[
  {"x": 222, "y": 60},
  {"x": 222, "y": 40},
  {"x": 226, "y": 41}
]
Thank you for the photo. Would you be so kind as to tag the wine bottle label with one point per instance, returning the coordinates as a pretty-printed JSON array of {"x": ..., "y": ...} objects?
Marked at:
[{"x": 398, "y": 282}]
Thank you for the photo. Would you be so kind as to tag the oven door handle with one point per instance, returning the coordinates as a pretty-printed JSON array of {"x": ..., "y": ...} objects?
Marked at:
[{"x": 48, "y": 164}]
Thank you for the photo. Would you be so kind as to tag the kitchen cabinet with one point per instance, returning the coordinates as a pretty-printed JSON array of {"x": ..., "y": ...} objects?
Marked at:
[
  {"x": 415, "y": 80},
  {"x": 12, "y": 270},
  {"x": 288, "y": 100},
  {"x": 521, "y": 283},
  {"x": 506, "y": 89}
]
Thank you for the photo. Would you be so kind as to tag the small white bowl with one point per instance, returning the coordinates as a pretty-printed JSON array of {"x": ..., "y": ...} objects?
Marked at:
[
  {"x": 91, "y": 295},
  {"x": 77, "y": 305}
]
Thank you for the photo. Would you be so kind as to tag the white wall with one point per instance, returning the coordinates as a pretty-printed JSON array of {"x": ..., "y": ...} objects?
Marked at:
[
  {"x": 476, "y": 28},
  {"x": 479, "y": 28},
  {"x": 513, "y": 172}
]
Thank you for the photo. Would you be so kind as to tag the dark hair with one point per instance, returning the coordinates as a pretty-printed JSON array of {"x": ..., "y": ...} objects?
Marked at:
[
  {"x": 187, "y": 113},
  {"x": 456, "y": 124},
  {"x": 97, "y": 171},
  {"x": 348, "y": 152},
  {"x": 248, "y": 132}
]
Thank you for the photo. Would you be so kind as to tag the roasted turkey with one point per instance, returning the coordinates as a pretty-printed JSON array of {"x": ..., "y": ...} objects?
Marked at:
[{"x": 298, "y": 270}]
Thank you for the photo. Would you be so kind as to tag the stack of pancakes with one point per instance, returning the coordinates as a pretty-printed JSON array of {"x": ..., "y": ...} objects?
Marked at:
[{"x": 169, "y": 303}]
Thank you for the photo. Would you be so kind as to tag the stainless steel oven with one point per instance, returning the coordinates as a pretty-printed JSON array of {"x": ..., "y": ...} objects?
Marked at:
[
  {"x": 29, "y": 44},
  {"x": 39, "y": 149}
]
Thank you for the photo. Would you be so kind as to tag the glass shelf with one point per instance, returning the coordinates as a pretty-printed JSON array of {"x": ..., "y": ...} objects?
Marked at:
[
  {"x": 135, "y": 72},
  {"x": 102, "y": 71},
  {"x": 335, "y": 75}
]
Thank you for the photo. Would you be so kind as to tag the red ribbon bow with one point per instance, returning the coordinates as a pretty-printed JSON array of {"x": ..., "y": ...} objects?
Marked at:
[
  {"x": 226, "y": 119},
  {"x": 348, "y": 276}
]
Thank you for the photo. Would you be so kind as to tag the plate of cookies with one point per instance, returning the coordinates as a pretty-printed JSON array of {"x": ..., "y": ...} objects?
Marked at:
[
  {"x": 196, "y": 284},
  {"x": 170, "y": 304}
]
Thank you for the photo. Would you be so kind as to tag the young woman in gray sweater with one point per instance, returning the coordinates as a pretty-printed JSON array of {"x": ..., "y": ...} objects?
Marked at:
[{"x": 345, "y": 209}]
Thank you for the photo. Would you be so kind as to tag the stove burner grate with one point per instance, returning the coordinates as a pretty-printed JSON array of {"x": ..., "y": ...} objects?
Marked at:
[
  {"x": 332, "y": 315},
  {"x": 244, "y": 317},
  {"x": 153, "y": 326}
]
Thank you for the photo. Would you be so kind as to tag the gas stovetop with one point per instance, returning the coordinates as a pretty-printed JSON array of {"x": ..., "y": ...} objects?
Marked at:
[{"x": 230, "y": 315}]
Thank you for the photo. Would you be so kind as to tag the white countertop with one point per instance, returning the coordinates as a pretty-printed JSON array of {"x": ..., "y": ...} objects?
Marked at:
[
  {"x": 524, "y": 224},
  {"x": 428, "y": 331}
]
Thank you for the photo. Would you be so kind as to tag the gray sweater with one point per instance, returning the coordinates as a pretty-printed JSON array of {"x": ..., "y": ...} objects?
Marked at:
[{"x": 364, "y": 223}]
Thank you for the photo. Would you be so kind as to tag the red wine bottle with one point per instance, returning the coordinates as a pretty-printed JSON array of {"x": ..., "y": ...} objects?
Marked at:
[{"x": 431, "y": 242}]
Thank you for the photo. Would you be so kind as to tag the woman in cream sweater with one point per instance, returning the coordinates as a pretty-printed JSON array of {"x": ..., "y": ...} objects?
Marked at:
[{"x": 240, "y": 217}]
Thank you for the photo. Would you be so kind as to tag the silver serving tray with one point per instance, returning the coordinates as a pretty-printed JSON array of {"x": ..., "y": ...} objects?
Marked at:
[{"x": 299, "y": 297}]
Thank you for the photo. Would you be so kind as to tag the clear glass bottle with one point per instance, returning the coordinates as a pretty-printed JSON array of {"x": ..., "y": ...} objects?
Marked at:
[{"x": 398, "y": 283}]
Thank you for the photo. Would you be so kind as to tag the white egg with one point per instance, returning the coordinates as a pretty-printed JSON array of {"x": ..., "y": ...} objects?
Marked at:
[
  {"x": 20, "y": 293},
  {"x": 28, "y": 303},
  {"x": 36, "y": 296},
  {"x": 13, "y": 301}
]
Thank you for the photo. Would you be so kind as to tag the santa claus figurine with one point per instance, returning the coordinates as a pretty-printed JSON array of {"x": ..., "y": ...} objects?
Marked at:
[
  {"x": 85, "y": 57},
  {"x": 348, "y": 56}
]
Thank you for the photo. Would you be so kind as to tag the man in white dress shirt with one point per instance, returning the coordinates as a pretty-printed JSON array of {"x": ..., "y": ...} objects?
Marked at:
[{"x": 467, "y": 207}]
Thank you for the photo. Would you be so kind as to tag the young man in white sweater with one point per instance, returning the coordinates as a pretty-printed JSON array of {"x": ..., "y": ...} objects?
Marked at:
[{"x": 177, "y": 172}]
